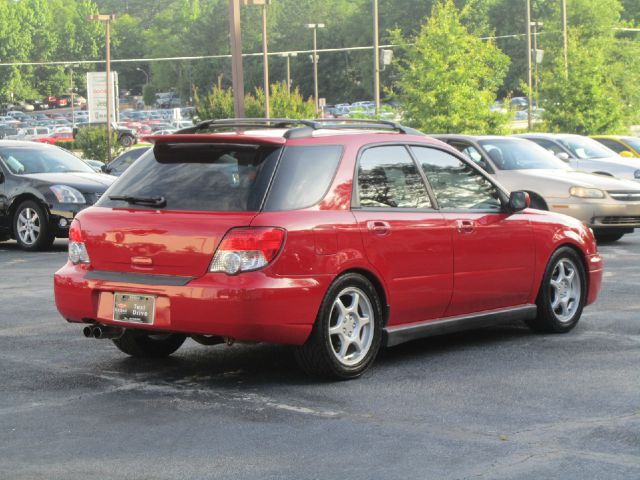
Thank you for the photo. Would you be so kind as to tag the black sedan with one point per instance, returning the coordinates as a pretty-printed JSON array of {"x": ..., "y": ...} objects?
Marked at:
[{"x": 42, "y": 188}]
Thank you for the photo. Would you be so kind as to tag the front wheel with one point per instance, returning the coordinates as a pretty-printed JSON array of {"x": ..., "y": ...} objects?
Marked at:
[
  {"x": 148, "y": 345},
  {"x": 126, "y": 141},
  {"x": 31, "y": 227},
  {"x": 347, "y": 334},
  {"x": 562, "y": 294},
  {"x": 608, "y": 237}
]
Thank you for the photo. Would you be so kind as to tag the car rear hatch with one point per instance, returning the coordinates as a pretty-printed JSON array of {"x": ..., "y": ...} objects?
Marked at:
[{"x": 168, "y": 212}]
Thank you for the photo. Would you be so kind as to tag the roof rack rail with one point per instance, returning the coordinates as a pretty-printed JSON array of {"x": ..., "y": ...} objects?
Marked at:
[{"x": 298, "y": 128}]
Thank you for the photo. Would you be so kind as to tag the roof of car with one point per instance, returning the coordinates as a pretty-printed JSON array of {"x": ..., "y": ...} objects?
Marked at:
[
  {"x": 23, "y": 143},
  {"x": 452, "y": 136}
]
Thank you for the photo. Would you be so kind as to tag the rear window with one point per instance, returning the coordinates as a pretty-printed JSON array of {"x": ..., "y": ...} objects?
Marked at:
[
  {"x": 303, "y": 177},
  {"x": 198, "y": 177}
]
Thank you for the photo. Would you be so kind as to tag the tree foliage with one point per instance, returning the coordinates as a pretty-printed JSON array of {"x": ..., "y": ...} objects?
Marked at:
[
  {"x": 58, "y": 30},
  {"x": 440, "y": 89},
  {"x": 218, "y": 104}
]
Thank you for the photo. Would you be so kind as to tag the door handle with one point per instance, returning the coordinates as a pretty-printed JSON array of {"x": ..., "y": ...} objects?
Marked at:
[
  {"x": 465, "y": 226},
  {"x": 379, "y": 227}
]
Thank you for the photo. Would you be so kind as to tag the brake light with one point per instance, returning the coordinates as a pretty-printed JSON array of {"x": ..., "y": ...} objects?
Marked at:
[
  {"x": 77, "y": 250},
  {"x": 247, "y": 249}
]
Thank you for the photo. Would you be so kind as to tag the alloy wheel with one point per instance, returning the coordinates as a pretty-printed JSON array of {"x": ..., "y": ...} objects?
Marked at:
[
  {"x": 28, "y": 226},
  {"x": 351, "y": 326},
  {"x": 565, "y": 290}
]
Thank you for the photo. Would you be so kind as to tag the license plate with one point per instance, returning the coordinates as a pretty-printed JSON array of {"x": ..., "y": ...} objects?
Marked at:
[{"x": 130, "y": 307}]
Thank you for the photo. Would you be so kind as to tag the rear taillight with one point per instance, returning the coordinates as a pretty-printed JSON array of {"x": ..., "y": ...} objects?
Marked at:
[
  {"x": 246, "y": 249},
  {"x": 77, "y": 250}
]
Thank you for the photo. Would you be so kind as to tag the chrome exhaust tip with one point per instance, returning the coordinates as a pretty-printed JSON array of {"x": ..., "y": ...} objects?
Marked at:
[
  {"x": 88, "y": 331},
  {"x": 107, "y": 332}
]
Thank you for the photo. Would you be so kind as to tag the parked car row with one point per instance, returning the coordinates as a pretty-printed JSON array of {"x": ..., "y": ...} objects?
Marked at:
[{"x": 610, "y": 206}]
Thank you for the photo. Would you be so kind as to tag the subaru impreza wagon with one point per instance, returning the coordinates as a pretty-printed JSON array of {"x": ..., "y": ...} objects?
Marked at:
[{"x": 336, "y": 238}]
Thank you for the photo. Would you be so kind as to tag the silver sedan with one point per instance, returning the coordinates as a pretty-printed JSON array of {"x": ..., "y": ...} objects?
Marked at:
[{"x": 609, "y": 205}]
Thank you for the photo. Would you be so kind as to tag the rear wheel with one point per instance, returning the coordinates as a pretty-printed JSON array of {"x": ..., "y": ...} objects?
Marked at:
[
  {"x": 148, "y": 345},
  {"x": 31, "y": 227},
  {"x": 347, "y": 334},
  {"x": 126, "y": 141},
  {"x": 608, "y": 237},
  {"x": 562, "y": 293}
]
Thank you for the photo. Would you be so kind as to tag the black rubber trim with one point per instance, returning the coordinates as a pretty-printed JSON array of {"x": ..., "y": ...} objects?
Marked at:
[
  {"x": 141, "y": 278},
  {"x": 397, "y": 335}
]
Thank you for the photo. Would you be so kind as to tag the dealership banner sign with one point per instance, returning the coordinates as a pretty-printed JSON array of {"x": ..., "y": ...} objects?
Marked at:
[{"x": 97, "y": 96}]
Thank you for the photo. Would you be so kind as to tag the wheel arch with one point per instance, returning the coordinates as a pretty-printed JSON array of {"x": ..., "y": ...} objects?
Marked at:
[
  {"x": 581, "y": 256},
  {"x": 537, "y": 197},
  {"x": 23, "y": 197},
  {"x": 377, "y": 284}
]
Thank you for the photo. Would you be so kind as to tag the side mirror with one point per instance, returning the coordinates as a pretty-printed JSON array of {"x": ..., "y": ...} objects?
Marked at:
[
  {"x": 518, "y": 201},
  {"x": 627, "y": 154},
  {"x": 563, "y": 156},
  {"x": 103, "y": 167}
]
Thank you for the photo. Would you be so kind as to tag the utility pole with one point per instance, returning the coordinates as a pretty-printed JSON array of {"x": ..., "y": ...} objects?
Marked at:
[
  {"x": 236, "y": 58},
  {"x": 267, "y": 110},
  {"x": 530, "y": 80},
  {"x": 565, "y": 40},
  {"x": 106, "y": 19},
  {"x": 315, "y": 27},
  {"x": 376, "y": 58},
  {"x": 288, "y": 56}
]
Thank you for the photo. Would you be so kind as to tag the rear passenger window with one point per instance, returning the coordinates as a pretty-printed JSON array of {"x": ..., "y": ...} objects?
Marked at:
[
  {"x": 388, "y": 177},
  {"x": 303, "y": 176}
]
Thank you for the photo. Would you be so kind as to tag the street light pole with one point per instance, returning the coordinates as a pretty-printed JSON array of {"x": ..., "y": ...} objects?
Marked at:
[
  {"x": 288, "y": 56},
  {"x": 236, "y": 58},
  {"x": 106, "y": 19},
  {"x": 565, "y": 48},
  {"x": 530, "y": 79},
  {"x": 267, "y": 109},
  {"x": 146, "y": 75},
  {"x": 376, "y": 58},
  {"x": 315, "y": 27}
]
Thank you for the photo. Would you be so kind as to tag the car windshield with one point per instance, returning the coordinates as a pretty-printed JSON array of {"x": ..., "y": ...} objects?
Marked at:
[
  {"x": 514, "y": 154},
  {"x": 634, "y": 142},
  {"x": 25, "y": 160},
  {"x": 586, "y": 148}
]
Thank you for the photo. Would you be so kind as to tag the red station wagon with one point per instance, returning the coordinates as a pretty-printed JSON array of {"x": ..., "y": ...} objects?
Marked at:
[{"x": 336, "y": 237}]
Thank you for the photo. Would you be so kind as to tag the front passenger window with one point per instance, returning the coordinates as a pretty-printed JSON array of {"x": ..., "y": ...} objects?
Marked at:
[{"x": 456, "y": 185}]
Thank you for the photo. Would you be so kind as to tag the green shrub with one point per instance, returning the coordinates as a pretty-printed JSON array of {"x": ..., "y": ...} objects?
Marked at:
[{"x": 92, "y": 142}]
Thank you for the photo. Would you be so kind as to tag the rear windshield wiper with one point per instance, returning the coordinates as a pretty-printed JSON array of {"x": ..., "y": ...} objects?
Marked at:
[{"x": 151, "y": 201}]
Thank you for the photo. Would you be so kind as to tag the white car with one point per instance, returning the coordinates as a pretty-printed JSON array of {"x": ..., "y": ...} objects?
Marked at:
[
  {"x": 609, "y": 206},
  {"x": 584, "y": 153}
]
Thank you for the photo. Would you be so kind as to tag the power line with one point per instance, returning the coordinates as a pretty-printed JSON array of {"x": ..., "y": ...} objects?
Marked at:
[{"x": 224, "y": 56}]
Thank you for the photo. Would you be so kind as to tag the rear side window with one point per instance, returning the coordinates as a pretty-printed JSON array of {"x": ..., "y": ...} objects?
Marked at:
[
  {"x": 198, "y": 177},
  {"x": 303, "y": 177},
  {"x": 387, "y": 177}
]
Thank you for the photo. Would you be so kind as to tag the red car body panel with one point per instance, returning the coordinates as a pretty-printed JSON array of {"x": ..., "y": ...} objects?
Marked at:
[{"x": 425, "y": 265}]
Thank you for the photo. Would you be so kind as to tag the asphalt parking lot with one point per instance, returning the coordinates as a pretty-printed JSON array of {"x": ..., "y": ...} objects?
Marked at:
[{"x": 499, "y": 403}]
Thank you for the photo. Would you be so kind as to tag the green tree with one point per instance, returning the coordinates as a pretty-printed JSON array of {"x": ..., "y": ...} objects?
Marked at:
[
  {"x": 449, "y": 77},
  {"x": 92, "y": 142},
  {"x": 589, "y": 101}
]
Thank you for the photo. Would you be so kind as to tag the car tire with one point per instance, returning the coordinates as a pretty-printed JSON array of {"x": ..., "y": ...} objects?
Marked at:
[
  {"x": 347, "y": 333},
  {"x": 537, "y": 202},
  {"x": 608, "y": 237},
  {"x": 562, "y": 293},
  {"x": 31, "y": 227},
  {"x": 140, "y": 344},
  {"x": 126, "y": 141}
]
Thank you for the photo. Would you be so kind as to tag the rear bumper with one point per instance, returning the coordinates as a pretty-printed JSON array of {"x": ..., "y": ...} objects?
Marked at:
[
  {"x": 595, "y": 266},
  {"x": 250, "y": 307}
]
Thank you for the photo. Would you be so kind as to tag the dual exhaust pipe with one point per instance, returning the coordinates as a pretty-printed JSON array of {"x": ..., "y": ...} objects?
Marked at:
[{"x": 102, "y": 331}]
